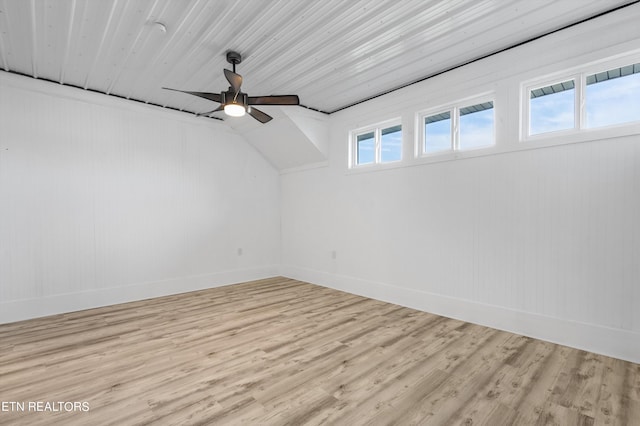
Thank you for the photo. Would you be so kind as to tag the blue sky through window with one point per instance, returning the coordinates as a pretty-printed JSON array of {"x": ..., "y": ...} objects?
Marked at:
[
  {"x": 552, "y": 112},
  {"x": 476, "y": 129},
  {"x": 391, "y": 144},
  {"x": 437, "y": 133},
  {"x": 366, "y": 148},
  {"x": 613, "y": 101},
  {"x": 611, "y": 97}
]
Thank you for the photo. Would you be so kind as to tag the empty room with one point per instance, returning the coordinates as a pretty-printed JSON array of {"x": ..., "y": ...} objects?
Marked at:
[{"x": 304, "y": 212}]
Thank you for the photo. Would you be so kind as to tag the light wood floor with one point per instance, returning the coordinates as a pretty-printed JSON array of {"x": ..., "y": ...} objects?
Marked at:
[{"x": 280, "y": 351}]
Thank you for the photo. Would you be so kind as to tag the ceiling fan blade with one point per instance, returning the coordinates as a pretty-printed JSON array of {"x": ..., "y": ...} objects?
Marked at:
[
  {"x": 259, "y": 115},
  {"x": 274, "y": 100},
  {"x": 220, "y": 108},
  {"x": 211, "y": 96},
  {"x": 235, "y": 80}
]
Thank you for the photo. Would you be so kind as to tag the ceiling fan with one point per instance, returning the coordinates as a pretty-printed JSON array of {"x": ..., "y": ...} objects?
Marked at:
[{"x": 236, "y": 103}]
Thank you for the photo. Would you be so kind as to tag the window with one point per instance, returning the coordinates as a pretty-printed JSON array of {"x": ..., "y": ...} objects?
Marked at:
[
  {"x": 567, "y": 105},
  {"x": 585, "y": 100},
  {"x": 380, "y": 144},
  {"x": 552, "y": 108},
  {"x": 613, "y": 97},
  {"x": 460, "y": 128}
]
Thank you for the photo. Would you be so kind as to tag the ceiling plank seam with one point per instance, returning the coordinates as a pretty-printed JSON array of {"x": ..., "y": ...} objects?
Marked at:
[
  {"x": 34, "y": 44},
  {"x": 67, "y": 45},
  {"x": 101, "y": 46},
  {"x": 3, "y": 55}
]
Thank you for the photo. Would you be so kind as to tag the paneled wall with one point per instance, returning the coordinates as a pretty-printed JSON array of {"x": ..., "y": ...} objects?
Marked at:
[
  {"x": 104, "y": 200},
  {"x": 542, "y": 240}
]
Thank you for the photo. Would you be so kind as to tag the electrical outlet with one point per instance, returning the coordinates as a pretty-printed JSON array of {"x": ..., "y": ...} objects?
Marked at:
[{"x": 240, "y": 251}]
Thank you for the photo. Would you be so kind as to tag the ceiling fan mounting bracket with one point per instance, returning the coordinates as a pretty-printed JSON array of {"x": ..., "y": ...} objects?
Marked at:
[{"x": 234, "y": 58}]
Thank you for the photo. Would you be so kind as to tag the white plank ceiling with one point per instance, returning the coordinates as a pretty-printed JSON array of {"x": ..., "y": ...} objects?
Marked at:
[{"x": 332, "y": 53}]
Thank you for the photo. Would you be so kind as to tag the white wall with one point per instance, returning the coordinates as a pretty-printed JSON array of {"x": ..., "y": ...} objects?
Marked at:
[
  {"x": 543, "y": 241},
  {"x": 104, "y": 201}
]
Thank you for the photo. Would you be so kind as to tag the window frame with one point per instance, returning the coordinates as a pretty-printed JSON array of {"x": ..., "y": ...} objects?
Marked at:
[
  {"x": 375, "y": 148},
  {"x": 525, "y": 115},
  {"x": 579, "y": 74},
  {"x": 421, "y": 150},
  {"x": 376, "y": 129},
  {"x": 454, "y": 109},
  {"x": 604, "y": 67}
]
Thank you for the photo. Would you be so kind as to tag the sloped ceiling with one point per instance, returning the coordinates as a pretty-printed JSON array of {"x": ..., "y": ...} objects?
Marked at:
[
  {"x": 332, "y": 53},
  {"x": 296, "y": 137}
]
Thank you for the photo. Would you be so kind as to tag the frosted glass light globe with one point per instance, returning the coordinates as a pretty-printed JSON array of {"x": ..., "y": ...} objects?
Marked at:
[{"x": 234, "y": 110}]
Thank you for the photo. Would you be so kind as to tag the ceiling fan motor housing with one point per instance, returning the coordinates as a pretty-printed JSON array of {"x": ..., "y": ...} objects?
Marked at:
[{"x": 227, "y": 98}]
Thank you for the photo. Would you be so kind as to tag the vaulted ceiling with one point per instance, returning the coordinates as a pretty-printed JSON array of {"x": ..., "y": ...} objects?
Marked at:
[{"x": 332, "y": 53}]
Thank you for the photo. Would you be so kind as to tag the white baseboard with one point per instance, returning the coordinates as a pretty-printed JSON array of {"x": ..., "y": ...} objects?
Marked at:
[
  {"x": 23, "y": 309},
  {"x": 613, "y": 342}
]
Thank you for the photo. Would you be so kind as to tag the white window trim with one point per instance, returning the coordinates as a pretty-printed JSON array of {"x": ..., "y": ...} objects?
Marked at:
[
  {"x": 377, "y": 132},
  {"x": 454, "y": 109}
]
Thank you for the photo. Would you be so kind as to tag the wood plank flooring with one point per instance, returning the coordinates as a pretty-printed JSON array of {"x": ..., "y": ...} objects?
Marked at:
[{"x": 279, "y": 351}]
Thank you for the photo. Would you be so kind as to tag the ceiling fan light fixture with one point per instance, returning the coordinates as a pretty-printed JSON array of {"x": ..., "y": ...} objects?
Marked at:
[{"x": 234, "y": 110}]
